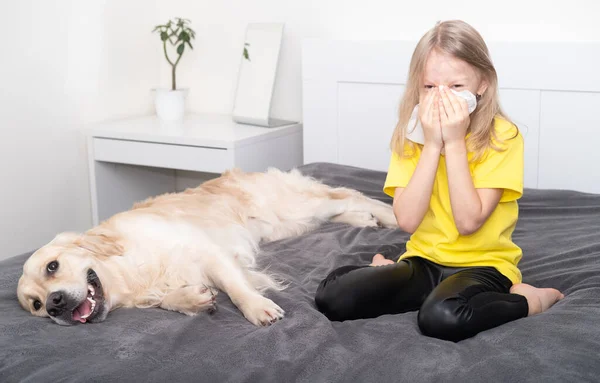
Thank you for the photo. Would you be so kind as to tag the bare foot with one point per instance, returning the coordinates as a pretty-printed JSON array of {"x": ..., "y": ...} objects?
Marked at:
[
  {"x": 379, "y": 260},
  {"x": 539, "y": 300}
]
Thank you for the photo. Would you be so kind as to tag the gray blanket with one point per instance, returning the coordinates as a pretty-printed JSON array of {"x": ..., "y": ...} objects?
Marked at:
[{"x": 558, "y": 231}]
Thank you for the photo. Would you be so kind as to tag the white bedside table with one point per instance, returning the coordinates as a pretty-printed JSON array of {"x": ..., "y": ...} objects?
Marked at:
[{"x": 133, "y": 159}]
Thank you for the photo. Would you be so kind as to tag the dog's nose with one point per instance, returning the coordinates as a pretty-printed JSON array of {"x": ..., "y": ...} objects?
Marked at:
[{"x": 55, "y": 303}]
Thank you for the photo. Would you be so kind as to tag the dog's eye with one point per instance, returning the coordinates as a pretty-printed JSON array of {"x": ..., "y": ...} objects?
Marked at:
[
  {"x": 37, "y": 305},
  {"x": 52, "y": 266}
]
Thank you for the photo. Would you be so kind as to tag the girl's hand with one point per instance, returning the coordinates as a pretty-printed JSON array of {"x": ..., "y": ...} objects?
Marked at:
[
  {"x": 454, "y": 116},
  {"x": 429, "y": 114}
]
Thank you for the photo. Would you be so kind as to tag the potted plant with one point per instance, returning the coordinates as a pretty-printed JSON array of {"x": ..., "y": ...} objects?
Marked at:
[{"x": 175, "y": 34}]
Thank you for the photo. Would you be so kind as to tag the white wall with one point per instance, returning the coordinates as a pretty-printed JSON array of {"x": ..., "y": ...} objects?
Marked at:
[
  {"x": 210, "y": 70},
  {"x": 64, "y": 64}
]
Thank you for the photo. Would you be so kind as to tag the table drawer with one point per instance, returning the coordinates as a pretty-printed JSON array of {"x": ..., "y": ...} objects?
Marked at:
[{"x": 170, "y": 156}]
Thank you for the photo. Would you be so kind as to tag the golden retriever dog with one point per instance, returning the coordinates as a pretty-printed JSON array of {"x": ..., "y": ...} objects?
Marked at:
[{"x": 174, "y": 251}]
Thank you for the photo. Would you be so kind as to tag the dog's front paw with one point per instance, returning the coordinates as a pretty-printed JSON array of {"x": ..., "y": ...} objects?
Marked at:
[
  {"x": 190, "y": 300},
  {"x": 261, "y": 311}
]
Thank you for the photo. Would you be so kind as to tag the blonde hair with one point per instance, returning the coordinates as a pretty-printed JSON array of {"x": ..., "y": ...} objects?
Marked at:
[{"x": 462, "y": 41}]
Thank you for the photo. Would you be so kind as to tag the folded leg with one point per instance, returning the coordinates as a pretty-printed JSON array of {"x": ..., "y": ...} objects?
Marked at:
[
  {"x": 354, "y": 292},
  {"x": 468, "y": 302}
]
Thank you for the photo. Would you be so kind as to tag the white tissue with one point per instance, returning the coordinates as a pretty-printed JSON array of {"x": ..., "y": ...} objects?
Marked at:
[{"x": 416, "y": 134}]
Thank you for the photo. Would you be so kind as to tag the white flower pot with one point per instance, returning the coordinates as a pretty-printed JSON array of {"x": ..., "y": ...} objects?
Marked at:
[{"x": 170, "y": 104}]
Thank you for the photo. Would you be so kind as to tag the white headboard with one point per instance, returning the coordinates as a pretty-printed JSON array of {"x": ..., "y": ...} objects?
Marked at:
[{"x": 351, "y": 92}]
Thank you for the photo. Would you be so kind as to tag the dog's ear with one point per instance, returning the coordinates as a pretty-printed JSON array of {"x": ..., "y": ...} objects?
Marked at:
[
  {"x": 65, "y": 238},
  {"x": 101, "y": 241}
]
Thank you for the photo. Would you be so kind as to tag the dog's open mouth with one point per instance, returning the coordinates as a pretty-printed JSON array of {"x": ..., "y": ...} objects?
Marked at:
[{"x": 91, "y": 305}]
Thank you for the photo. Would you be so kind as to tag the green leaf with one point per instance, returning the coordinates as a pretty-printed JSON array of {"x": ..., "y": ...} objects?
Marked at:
[
  {"x": 190, "y": 44},
  {"x": 246, "y": 55},
  {"x": 183, "y": 36},
  {"x": 180, "y": 49},
  {"x": 164, "y": 36}
]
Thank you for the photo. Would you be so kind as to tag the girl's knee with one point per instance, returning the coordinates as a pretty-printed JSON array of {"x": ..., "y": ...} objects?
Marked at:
[
  {"x": 327, "y": 300},
  {"x": 331, "y": 297},
  {"x": 445, "y": 320}
]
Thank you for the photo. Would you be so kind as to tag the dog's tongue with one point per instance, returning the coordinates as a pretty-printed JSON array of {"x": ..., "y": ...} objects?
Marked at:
[{"x": 82, "y": 310}]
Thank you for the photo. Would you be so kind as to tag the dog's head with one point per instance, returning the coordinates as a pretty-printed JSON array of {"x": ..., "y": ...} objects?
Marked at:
[{"x": 63, "y": 280}]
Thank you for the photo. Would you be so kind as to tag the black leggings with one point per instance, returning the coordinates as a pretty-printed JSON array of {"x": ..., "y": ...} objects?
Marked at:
[{"x": 454, "y": 303}]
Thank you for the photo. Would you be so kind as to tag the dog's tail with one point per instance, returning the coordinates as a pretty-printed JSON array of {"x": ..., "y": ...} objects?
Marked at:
[{"x": 265, "y": 280}]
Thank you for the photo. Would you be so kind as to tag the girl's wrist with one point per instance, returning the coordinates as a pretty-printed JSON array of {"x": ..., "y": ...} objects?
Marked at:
[
  {"x": 455, "y": 146},
  {"x": 434, "y": 147}
]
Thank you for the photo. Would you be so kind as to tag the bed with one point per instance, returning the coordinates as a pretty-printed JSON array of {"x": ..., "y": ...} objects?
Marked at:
[
  {"x": 558, "y": 231},
  {"x": 350, "y": 95}
]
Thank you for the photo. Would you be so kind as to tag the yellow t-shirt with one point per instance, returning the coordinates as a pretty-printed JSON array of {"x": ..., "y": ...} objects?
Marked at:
[{"x": 437, "y": 238}]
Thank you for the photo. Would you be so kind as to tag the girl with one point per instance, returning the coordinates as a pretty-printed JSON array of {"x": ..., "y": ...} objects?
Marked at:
[{"x": 457, "y": 194}]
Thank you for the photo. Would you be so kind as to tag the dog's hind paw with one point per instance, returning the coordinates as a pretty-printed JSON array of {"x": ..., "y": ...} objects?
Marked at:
[
  {"x": 261, "y": 311},
  {"x": 357, "y": 218}
]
